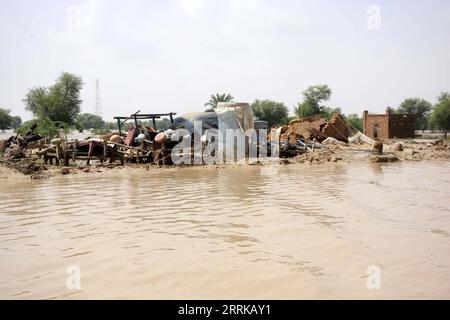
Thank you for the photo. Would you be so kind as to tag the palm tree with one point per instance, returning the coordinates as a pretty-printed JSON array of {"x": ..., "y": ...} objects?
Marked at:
[{"x": 216, "y": 98}]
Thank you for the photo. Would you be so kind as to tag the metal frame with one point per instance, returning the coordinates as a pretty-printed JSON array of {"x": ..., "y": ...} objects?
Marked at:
[{"x": 140, "y": 116}]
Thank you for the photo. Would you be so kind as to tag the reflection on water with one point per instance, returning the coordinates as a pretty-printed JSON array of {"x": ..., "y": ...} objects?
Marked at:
[{"x": 229, "y": 233}]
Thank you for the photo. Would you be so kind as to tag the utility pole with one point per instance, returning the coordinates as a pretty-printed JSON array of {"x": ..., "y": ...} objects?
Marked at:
[{"x": 98, "y": 102}]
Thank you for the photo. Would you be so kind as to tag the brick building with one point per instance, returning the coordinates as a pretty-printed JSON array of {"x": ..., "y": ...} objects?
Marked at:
[{"x": 389, "y": 125}]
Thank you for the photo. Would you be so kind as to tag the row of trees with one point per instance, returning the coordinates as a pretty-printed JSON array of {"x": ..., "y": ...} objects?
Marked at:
[
  {"x": 276, "y": 113},
  {"x": 427, "y": 115},
  {"x": 58, "y": 106}
]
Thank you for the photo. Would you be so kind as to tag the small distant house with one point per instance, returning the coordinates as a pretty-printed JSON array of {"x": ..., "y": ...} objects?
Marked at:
[{"x": 389, "y": 125}]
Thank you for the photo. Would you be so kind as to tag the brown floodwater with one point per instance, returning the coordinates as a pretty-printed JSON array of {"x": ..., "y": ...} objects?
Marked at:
[{"x": 238, "y": 232}]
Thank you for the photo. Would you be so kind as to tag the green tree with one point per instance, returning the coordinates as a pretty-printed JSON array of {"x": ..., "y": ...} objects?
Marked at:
[
  {"x": 312, "y": 99},
  {"x": 440, "y": 118},
  {"x": 162, "y": 124},
  {"x": 45, "y": 127},
  {"x": 90, "y": 121},
  {"x": 327, "y": 112},
  {"x": 5, "y": 119},
  {"x": 275, "y": 113},
  {"x": 16, "y": 122},
  {"x": 420, "y": 107},
  {"x": 216, "y": 98},
  {"x": 60, "y": 102},
  {"x": 443, "y": 96},
  {"x": 304, "y": 110},
  {"x": 316, "y": 94},
  {"x": 110, "y": 125},
  {"x": 355, "y": 121}
]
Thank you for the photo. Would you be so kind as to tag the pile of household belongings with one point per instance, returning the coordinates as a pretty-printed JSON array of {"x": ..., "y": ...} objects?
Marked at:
[
  {"x": 225, "y": 116},
  {"x": 236, "y": 116}
]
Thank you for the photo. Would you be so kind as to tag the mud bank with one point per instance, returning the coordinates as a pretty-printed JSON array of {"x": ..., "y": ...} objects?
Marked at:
[{"x": 434, "y": 151}]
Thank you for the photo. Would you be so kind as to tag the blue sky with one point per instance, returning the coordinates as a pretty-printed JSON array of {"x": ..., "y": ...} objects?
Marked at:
[{"x": 161, "y": 56}]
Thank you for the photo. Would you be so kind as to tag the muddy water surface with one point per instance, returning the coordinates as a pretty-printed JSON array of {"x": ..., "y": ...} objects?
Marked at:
[{"x": 229, "y": 233}]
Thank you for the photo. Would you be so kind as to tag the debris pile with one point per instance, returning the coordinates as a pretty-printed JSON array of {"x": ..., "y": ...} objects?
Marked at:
[
  {"x": 315, "y": 127},
  {"x": 27, "y": 167},
  {"x": 337, "y": 128},
  {"x": 312, "y": 140},
  {"x": 308, "y": 134},
  {"x": 14, "y": 152},
  {"x": 318, "y": 157}
]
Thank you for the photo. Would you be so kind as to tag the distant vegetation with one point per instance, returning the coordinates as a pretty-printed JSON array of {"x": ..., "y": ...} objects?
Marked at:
[
  {"x": 55, "y": 107},
  {"x": 216, "y": 98},
  {"x": 58, "y": 107},
  {"x": 86, "y": 121},
  {"x": 440, "y": 118},
  {"x": 420, "y": 107},
  {"x": 275, "y": 113},
  {"x": 313, "y": 97},
  {"x": 45, "y": 127},
  {"x": 355, "y": 122},
  {"x": 428, "y": 116},
  {"x": 7, "y": 121},
  {"x": 60, "y": 102}
]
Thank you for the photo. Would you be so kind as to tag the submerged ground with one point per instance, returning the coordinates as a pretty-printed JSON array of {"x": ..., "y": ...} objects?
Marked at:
[{"x": 239, "y": 232}]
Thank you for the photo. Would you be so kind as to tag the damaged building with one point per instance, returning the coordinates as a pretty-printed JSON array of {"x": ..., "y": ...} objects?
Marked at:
[
  {"x": 316, "y": 127},
  {"x": 389, "y": 125}
]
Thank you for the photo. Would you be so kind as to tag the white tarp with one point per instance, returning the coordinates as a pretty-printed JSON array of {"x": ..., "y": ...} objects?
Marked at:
[
  {"x": 235, "y": 115},
  {"x": 239, "y": 118}
]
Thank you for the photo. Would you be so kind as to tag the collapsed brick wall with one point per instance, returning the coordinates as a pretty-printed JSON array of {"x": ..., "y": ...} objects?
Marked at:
[
  {"x": 314, "y": 127},
  {"x": 307, "y": 128},
  {"x": 336, "y": 128}
]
